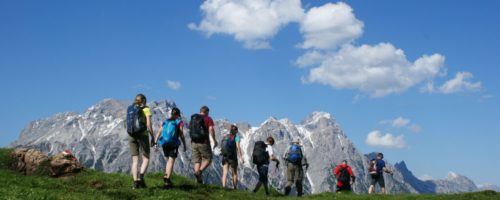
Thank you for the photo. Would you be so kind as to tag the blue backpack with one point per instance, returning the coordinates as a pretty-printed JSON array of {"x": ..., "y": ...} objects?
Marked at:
[
  {"x": 295, "y": 154},
  {"x": 135, "y": 122},
  {"x": 169, "y": 136},
  {"x": 229, "y": 146}
]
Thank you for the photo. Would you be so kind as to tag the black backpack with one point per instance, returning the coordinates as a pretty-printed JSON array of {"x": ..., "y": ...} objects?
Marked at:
[
  {"x": 344, "y": 175},
  {"x": 135, "y": 120},
  {"x": 259, "y": 155},
  {"x": 198, "y": 130},
  {"x": 228, "y": 146}
]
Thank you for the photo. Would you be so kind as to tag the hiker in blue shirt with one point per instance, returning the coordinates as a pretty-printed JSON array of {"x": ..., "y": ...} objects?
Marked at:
[{"x": 378, "y": 175}]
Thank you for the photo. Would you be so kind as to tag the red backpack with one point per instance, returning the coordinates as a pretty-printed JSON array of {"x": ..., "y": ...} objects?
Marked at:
[{"x": 372, "y": 170}]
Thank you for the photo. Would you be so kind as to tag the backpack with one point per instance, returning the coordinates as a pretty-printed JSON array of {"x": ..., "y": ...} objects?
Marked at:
[
  {"x": 198, "y": 130},
  {"x": 228, "y": 146},
  {"x": 169, "y": 134},
  {"x": 295, "y": 154},
  {"x": 372, "y": 170},
  {"x": 259, "y": 155},
  {"x": 344, "y": 176},
  {"x": 135, "y": 122}
]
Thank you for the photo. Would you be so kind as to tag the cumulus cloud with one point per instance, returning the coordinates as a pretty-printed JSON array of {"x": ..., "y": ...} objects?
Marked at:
[
  {"x": 173, "y": 85},
  {"x": 402, "y": 122},
  {"x": 461, "y": 82},
  {"x": 377, "y": 70},
  {"x": 329, "y": 26},
  {"x": 252, "y": 22},
  {"x": 377, "y": 139}
]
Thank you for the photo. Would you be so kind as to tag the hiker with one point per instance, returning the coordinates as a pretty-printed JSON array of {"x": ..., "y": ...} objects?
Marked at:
[
  {"x": 168, "y": 137},
  {"x": 139, "y": 128},
  {"x": 345, "y": 177},
  {"x": 262, "y": 154},
  {"x": 231, "y": 150},
  {"x": 376, "y": 170},
  {"x": 295, "y": 159},
  {"x": 200, "y": 127}
]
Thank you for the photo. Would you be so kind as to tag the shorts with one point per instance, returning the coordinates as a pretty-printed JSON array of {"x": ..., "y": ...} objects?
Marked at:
[
  {"x": 344, "y": 187},
  {"x": 233, "y": 162},
  {"x": 294, "y": 172},
  {"x": 201, "y": 152},
  {"x": 378, "y": 179},
  {"x": 263, "y": 170},
  {"x": 169, "y": 151},
  {"x": 139, "y": 142}
]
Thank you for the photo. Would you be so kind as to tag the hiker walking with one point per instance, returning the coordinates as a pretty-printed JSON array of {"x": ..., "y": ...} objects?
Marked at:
[
  {"x": 262, "y": 154},
  {"x": 376, "y": 170},
  {"x": 139, "y": 128},
  {"x": 345, "y": 177},
  {"x": 168, "y": 137},
  {"x": 200, "y": 127},
  {"x": 295, "y": 160},
  {"x": 231, "y": 150}
]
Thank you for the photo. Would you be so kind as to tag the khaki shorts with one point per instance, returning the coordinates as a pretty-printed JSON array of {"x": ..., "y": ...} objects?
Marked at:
[
  {"x": 201, "y": 152},
  {"x": 232, "y": 162},
  {"x": 139, "y": 142},
  {"x": 294, "y": 172}
]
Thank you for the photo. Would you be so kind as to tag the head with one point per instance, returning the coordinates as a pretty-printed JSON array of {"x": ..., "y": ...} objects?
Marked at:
[
  {"x": 234, "y": 129},
  {"x": 296, "y": 140},
  {"x": 380, "y": 156},
  {"x": 270, "y": 140},
  {"x": 140, "y": 100},
  {"x": 204, "y": 110},
  {"x": 175, "y": 113},
  {"x": 344, "y": 163}
]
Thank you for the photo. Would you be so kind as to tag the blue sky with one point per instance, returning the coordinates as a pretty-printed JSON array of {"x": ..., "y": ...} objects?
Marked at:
[{"x": 65, "y": 56}]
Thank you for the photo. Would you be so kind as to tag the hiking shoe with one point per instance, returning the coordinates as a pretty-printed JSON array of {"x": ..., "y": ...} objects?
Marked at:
[
  {"x": 199, "y": 178},
  {"x": 136, "y": 185},
  {"x": 167, "y": 183},
  {"x": 142, "y": 183}
]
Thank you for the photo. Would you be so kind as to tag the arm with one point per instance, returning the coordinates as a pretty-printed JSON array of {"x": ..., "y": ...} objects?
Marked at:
[
  {"x": 183, "y": 139},
  {"x": 149, "y": 126},
  {"x": 158, "y": 134},
  {"x": 240, "y": 153},
  {"x": 211, "y": 131}
]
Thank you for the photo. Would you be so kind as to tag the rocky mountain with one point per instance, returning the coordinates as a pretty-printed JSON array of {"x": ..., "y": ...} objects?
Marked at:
[
  {"x": 489, "y": 187},
  {"x": 99, "y": 140}
]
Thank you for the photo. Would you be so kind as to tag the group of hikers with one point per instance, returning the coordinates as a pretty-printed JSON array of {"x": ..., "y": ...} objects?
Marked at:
[{"x": 170, "y": 136}]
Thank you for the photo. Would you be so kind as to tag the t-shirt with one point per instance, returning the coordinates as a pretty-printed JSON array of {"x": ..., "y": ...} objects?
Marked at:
[
  {"x": 337, "y": 173},
  {"x": 146, "y": 111},
  {"x": 237, "y": 138},
  {"x": 380, "y": 166},
  {"x": 208, "y": 121},
  {"x": 181, "y": 124},
  {"x": 269, "y": 150}
]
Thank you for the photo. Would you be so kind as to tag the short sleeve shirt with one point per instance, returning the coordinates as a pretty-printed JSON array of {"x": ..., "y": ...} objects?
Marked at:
[
  {"x": 147, "y": 111},
  {"x": 380, "y": 166},
  {"x": 269, "y": 150}
]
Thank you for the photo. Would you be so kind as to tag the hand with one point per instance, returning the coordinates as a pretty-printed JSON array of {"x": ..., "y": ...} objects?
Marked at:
[
  {"x": 215, "y": 143},
  {"x": 307, "y": 166},
  {"x": 242, "y": 161}
]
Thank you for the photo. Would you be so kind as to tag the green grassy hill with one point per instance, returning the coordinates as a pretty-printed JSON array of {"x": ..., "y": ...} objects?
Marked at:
[{"x": 91, "y": 184}]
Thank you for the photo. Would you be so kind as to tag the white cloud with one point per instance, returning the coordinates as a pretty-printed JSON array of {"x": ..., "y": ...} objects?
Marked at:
[
  {"x": 377, "y": 70},
  {"x": 212, "y": 98},
  {"x": 377, "y": 139},
  {"x": 426, "y": 177},
  {"x": 461, "y": 82},
  {"x": 402, "y": 122},
  {"x": 173, "y": 85},
  {"x": 253, "y": 22},
  {"x": 329, "y": 26}
]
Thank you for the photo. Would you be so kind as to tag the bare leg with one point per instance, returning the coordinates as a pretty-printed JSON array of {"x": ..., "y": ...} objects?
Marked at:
[
  {"x": 224, "y": 175},
  {"x": 382, "y": 190},
  {"x": 196, "y": 167},
  {"x": 204, "y": 165},
  {"x": 170, "y": 167},
  {"x": 235, "y": 178},
  {"x": 370, "y": 189},
  {"x": 133, "y": 170},
  {"x": 145, "y": 164}
]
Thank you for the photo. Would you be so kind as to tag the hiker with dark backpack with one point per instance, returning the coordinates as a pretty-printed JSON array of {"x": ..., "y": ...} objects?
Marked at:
[
  {"x": 262, "y": 154},
  {"x": 231, "y": 150},
  {"x": 139, "y": 128},
  {"x": 168, "y": 137},
  {"x": 376, "y": 170},
  {"x": 201, "y": 127},
  {"x": 295, "y": 160},
  {"x": 344, "y": 176}
]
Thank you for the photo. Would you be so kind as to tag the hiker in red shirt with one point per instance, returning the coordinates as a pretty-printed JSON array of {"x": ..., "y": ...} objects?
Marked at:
[{"x": 345, "y": 177}]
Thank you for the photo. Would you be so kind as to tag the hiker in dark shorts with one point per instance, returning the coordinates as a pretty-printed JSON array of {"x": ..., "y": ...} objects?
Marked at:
[
  {"x": 140, "y": 142},
  {"x": 231, "y": 150},
  {"x": 201, "y": 127},
  {"x": 262, "y": 158},
  {"x": 168, "y": 137},
  {"x": 295, "y": 160},
  {"x": 344, "y": 176},
  {"x": 378, "y": 176}
]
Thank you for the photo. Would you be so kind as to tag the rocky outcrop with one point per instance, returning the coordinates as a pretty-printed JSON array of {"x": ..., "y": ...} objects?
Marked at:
[{"x": 33, "y": 162}]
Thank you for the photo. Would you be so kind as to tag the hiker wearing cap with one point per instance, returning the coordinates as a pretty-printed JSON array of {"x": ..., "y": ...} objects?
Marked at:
[
  {"x": 262, "y": 154},
  {"x": 168, "y": 138},
  {"x": 295, "y": 159},
  {"x": 230, "y": 147},
  {"x": 344, "y": 176},
  {"x": 378, "y": 175}
]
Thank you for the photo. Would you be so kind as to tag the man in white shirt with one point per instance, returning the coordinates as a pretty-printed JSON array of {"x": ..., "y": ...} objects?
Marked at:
[{"x": 263, "y": 168}]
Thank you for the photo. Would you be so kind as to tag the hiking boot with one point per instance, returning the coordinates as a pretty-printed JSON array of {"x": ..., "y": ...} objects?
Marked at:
[
  {"x": 167, "y": 184},
  {"x": 199, "y": 178},
  {"x": 142, "y": 183},
  {"x": 136, "y": 185}
]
